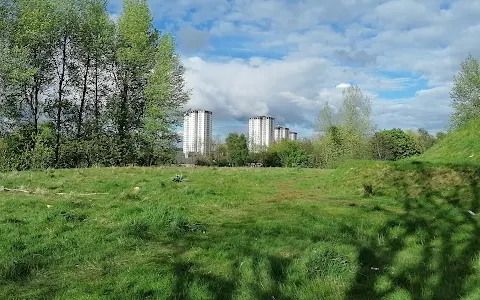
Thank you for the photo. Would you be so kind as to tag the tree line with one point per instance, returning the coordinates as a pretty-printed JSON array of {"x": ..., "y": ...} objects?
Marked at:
[
  {"x": 78, "y": 89},
  {"x": 346, "y": 134},
  {"x": 349, "y": 133}
]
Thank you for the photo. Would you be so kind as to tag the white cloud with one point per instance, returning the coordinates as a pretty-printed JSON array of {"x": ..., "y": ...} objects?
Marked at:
[
  {"x": 343, "y": 85},
  {"x": 321, "y": 47}
]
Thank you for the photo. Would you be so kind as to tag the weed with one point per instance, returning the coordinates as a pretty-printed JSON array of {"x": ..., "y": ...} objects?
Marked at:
[
  {"x": 130, "y": 195},
  {"x": 327, "y": 262},
  {"x": 367, "y": 190},
  {"x": 138, "y": 229},
  {"x": 178, "y": 178}
]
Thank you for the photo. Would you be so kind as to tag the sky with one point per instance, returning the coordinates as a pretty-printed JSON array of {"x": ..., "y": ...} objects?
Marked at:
[{"x": 286, "y": 58}]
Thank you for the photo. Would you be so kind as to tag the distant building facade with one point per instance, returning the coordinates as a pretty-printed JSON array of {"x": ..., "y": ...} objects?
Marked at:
[
  {"x": 260, "y": 133},
  {"x": 281, "y": 133},
  {"x": 197, "y": 133},
  {"x": 292, "y": 136}
]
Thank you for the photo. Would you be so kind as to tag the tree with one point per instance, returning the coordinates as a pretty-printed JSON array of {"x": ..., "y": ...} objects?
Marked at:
[
  {"x": 345, "y": 135},
  {"x": 465, "y": 93},
  {"x": 165, "y": 96},
  {"x": 92, "y": 46},
  {"x": 356, "y": 112},
  {"x": 440, "y": 135},
  {"x": 290, "y": 153},
  {"x": 425, "y": 139},
  {"x": 394, "y": 144},
  {"x": 33, "y": 41},
  {"x": 66, "y": 25},
  {"x": 237, "y": 148},
  {"x": 326, "y": 119},
  {"x": 135, "y": 59},
  {"x": 355, "y": 116},
  {"x": 90, "y": 91}
]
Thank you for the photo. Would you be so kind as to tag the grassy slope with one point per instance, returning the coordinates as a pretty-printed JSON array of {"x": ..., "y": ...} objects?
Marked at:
[
  {"x": 459, "y": 147},
  {"x": 231, "y": 234}
]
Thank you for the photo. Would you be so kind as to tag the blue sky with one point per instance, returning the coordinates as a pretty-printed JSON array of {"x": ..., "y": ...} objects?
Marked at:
[{"x": 286, "y": 58}]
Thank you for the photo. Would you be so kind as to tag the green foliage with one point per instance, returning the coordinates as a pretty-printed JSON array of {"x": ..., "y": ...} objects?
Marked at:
[
  {"x": 440, "y": 136},
  {"x": 465, "y": 93},
  {"x": 136, "y": 36},
  {"x": 92, "y": 91},
  {"x": 289, "y": 154},
  {"x": 394, "y": 144},
  {"x": 345, "y": 135},
  {"x": 356, "y": 112},
  {"x": 237, "y": 148},
  {"x": 425, "y": 139}
]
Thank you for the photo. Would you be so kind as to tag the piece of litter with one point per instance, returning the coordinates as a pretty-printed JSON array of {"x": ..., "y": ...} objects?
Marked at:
[
  {"x": 136, "y": 189},
  {"x": 375, "y": 269},
  {"x": 472, "y": 155},
  {"x": 471, "y": 212},
  {"x": 48, "y": 206}
]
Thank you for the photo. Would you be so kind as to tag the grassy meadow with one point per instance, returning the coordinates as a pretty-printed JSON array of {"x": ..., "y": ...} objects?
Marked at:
[{"x": 241, "y": 233}]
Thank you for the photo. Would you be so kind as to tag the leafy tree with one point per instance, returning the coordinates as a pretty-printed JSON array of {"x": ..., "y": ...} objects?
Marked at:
[
  {"x": 465, "y": 93},
  {"x": 91, "y": 92},
  {"x": 165, "y": 96},
  {"x": 290, "y": 154},
  {"x": 394, "y": 144},
  {"x": 345, "y": 135},
  {"x": 356, "y": 118},
  {"x": 92, "y": 50},
  {"x": 326, "y": 119},
  {"x": 237, "y": 148},
  {"x": 33, "y": 41},
  {"x": 135, "y": 59},
  {"x": 356, "y": 112},
  {"x": 425, "y": 139},
  {"x": 440, "y": 135}
]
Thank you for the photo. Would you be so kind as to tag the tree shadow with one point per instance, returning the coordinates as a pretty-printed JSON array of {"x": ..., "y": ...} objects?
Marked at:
[
  {"x": 224, "y": 288},
  {"x": 429, "y": 250}
]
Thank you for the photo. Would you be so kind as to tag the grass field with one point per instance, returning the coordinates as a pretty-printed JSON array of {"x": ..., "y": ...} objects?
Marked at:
[{"x": 240, "y": 234}]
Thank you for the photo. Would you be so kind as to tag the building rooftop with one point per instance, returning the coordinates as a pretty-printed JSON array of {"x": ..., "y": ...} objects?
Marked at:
[
  {"x": 200, "y": 110},
  {"x": 262, "y": 117}
]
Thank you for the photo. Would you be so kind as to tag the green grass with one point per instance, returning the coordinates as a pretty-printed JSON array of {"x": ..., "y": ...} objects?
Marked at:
[
  {"x": 241, "y": 234},
  {"x": 458, "y": 147}
]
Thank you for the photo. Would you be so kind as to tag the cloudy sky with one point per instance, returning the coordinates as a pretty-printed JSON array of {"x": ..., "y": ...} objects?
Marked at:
[{"x": 285, "y": 58}]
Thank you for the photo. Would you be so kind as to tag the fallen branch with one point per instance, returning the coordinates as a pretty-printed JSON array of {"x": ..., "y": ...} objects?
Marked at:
[
  {"x": 4, "y": 189},
  {"x": 88, "y": 194}
]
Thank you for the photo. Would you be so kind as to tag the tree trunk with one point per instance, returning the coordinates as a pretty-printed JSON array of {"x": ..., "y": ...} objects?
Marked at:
[
  {"x": 58, "y": 120},
  {"x": 82, "y": 100},
  {"x": 97, "y": 112},
  {"x": 36, "y": 109}
]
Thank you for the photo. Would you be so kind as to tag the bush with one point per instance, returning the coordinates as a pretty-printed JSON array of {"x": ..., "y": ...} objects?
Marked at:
[{"x": 393, "y": 145}]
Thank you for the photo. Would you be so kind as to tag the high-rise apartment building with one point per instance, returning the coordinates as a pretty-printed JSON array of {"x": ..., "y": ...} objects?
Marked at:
[
  {"x": 197, "y": 132},
  {"x": 260, "y": 133},
  {"x": 293, "y": 136},
  {"x": 281, "y": 133}
]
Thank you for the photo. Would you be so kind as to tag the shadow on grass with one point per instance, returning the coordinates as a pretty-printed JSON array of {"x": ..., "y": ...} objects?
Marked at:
[
  {"x": 428, "y": 252},
  {"x": 223, "y": 288}
]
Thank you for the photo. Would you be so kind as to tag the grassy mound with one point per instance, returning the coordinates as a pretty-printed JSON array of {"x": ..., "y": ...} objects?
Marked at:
[{"x": 459, "y": 147}]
